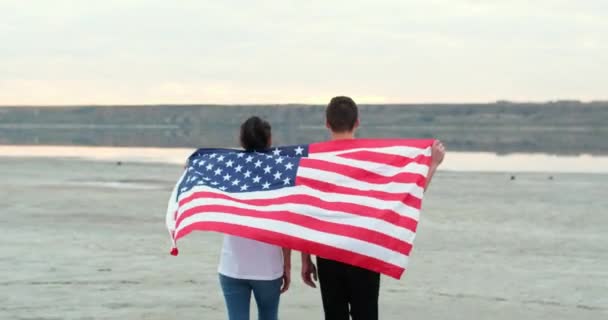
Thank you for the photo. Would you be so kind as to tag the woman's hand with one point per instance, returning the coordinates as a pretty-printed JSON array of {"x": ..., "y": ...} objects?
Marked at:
[
  {"x": 286, "y": 278},
  {"x": 286, "y": 270}
]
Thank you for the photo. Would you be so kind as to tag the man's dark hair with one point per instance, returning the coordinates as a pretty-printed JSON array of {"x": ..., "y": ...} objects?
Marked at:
[{"x": 342, "y": 114}]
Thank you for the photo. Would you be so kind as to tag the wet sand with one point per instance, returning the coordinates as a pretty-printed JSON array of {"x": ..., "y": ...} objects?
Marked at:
[{"x": 86, "y": 240}]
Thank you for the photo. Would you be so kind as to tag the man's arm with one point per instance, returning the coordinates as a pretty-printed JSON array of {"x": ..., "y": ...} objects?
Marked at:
[
  {"x": 309, "y": 271},
  {"x": 430, "y": 175},
  {"x": 437, "y": 154}
]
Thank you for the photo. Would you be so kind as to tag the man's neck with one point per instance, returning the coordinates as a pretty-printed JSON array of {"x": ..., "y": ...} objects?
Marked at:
[{"x": 342, "y": 135}]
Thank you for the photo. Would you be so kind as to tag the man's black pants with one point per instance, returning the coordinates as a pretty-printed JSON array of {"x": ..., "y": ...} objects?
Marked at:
[{"x": 344, "y": 285}]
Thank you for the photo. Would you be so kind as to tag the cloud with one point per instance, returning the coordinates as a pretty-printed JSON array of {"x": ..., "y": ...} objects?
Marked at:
[{"x": 300, "y": 51}]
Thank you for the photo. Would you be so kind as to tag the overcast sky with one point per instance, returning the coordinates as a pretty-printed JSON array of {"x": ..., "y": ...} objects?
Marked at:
[{"x": 166, "y": 51}]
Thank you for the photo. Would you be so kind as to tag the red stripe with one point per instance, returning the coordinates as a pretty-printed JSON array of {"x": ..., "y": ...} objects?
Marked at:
[
  {"x": 344, "y": 145},
  {"x": 385, "y": 158},
  {"x": 350, "y": 231},
  {"x": 299, "y": 244},
  {"x": 389, "y": 216},
  {"x": 362, "y": 174},
  {"x": 405, "y": 198}
]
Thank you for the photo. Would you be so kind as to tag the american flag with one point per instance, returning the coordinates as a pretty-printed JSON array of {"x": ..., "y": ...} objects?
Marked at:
[{"x": 356, "y": 201}]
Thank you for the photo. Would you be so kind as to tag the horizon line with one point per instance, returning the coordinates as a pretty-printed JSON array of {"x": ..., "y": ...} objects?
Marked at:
[{"x": 500, "y": 101}]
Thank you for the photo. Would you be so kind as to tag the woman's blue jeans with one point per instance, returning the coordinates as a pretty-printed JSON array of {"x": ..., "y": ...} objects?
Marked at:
[{"x": 237, "y": 293}]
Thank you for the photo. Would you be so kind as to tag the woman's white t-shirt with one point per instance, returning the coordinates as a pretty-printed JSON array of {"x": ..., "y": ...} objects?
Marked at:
[{"x": 243, "y": 258}]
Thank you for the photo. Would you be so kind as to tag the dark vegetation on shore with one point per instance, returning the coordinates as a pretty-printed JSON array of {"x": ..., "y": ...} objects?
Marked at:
[{"x": 562, "y": 127}]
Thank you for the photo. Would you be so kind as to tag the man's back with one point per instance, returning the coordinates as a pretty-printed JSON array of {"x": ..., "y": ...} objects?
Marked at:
[{"x": 346, "y": 289}]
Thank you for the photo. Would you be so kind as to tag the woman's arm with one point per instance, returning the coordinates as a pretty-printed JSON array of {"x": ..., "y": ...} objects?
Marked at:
[{"x": 286, "y": 269}]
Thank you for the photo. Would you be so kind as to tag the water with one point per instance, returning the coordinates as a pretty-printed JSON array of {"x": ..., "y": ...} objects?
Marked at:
[{"x": 455, "y": 161}]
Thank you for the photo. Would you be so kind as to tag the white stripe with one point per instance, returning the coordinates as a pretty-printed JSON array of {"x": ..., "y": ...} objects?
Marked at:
[
  {"x": 379, "y": 168},
  {"x": 340, "y": 217},
  {"x": 342, "y": 180},
  {"x": 397, "y": 206},
  {"x": 410, "y": 152},
  {"x": 338, "y": 241}
]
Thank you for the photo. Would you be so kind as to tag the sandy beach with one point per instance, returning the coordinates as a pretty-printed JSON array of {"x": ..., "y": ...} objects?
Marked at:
[{"x": 86, "y": 240}]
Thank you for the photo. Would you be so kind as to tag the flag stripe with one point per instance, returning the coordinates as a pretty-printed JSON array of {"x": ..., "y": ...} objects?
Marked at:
[
  {"x": 388, "y": 159},
  {"x": 347, "y": 230},
  {"x": 407, "y": 199},
  {"x": 362, "y": 174},
  {"x": 397, "y": 151},
  {"x": 374, "y": 221},
  {"x": 379, "y": 168},
  {"x": 338, "y": 241},
  {"x": 300, "y": 244},
  {"x": 364, "y": 200},
  {"x": 390, "y": 187},
  {"x": 353, "y": 144}
]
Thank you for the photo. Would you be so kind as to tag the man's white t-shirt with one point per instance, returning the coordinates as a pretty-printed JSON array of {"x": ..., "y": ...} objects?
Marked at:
[{"x": 243, "y": 258}]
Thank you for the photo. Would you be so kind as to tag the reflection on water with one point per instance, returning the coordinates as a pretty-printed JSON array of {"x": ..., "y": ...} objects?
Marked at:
[{"x": 455, "y": 161}]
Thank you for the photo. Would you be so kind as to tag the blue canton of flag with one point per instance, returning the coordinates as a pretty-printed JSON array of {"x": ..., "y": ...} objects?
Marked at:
[{"x": 232, "y": 171}]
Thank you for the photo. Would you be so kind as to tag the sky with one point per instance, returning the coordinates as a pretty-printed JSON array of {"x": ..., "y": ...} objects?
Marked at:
[{"x": 55, "y": 52}]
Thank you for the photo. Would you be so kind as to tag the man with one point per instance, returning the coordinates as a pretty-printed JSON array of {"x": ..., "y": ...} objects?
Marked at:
[{"x": 346, "y": 289}]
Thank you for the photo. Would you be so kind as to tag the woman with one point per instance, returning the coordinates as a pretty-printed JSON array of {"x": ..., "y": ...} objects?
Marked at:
[{"x": 248, "y": 266}]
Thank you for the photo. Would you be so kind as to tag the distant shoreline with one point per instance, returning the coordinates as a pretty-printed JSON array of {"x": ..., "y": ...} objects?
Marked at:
[{"x": 562, "y": 127}]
